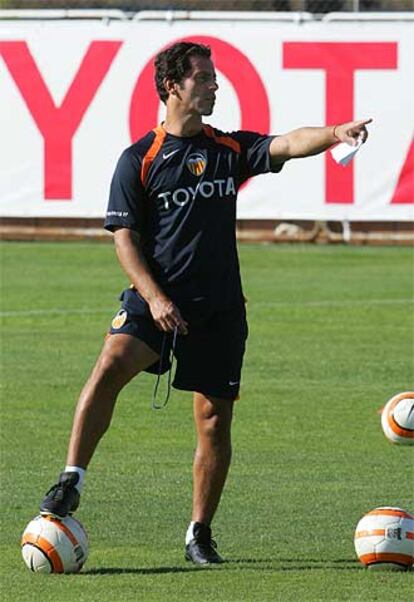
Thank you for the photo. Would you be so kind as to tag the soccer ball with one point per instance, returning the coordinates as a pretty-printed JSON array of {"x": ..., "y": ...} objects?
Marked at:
[
  {"x": 384, "y": 538},
  {"x": 50, "y": 545},
  {"x": 397, "y": 419}
]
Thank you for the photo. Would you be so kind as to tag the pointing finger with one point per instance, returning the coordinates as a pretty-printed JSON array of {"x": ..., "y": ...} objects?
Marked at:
[{"x": 362, "y": 122}]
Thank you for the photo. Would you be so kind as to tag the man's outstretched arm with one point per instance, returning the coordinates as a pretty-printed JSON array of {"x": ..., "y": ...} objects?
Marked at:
[{"x": 308, "y": 141}]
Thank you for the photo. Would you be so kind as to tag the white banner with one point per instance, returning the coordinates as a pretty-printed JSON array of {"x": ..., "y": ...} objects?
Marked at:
[{"x": 74, "y": 94}]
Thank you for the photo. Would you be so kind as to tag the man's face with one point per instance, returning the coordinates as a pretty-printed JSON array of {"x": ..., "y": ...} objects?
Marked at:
[{"x": 197, "y": 91}]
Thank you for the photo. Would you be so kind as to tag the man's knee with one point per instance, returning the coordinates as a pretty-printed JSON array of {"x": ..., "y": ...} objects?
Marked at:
[
  {"x": 113, "y": 366},
  {"x": 213, "y": 417},
  {"x": 114, "y": 369}
]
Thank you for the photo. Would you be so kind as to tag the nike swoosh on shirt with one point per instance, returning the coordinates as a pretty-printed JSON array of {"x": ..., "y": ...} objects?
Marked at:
[
  {"x": 168, "y": 155},
  {"x": 233, "y": 382}
]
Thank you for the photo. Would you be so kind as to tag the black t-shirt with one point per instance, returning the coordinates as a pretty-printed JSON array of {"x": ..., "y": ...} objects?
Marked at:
[{"x": 180, "y": 195}]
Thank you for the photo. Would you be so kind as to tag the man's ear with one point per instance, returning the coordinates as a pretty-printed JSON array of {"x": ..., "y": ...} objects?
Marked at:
[{"x": 171, "y": 87}]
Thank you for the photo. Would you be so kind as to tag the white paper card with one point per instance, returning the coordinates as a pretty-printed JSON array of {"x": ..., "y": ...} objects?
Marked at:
[{"x": 343, "y": 153}]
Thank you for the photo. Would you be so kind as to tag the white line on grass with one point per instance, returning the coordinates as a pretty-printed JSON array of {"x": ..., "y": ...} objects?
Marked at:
[
  {"x": 55, "y": 311},
  {"x": 322, "y": 303},
  {"x": 328, "y": 303}
]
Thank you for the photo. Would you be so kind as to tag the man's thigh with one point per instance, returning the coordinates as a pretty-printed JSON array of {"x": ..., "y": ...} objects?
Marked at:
[{"x": 125, "y": 355}]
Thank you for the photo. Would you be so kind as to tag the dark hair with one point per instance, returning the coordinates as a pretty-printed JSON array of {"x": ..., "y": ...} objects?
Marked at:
[{"x": 174, "y": 62}]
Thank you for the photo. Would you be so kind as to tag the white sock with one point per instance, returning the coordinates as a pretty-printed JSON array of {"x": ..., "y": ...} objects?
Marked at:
[
  {"x": 81, "y": 473},
  {"x": 189, "y": 535}
]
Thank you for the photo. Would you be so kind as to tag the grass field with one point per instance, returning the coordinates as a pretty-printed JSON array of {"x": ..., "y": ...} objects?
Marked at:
[{"x": 331, "y": 339}]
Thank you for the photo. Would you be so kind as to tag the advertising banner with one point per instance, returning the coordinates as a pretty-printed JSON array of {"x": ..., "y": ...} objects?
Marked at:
[{"x": 74, "y": 94}]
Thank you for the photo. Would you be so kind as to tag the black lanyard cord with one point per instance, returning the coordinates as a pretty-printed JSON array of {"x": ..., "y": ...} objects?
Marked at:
[{"x": 156, "y": 406}]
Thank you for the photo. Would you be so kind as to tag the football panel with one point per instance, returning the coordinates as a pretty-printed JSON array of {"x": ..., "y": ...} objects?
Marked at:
[
  {"x": 387, "y": 566},
  {"x": 386, "y": 557},
  {"x": 47, "y": 548},
  {"x": 384, "y": 511},
  {"x": 35, "y": 559},
  {"x": 53, "y": 532},
  {"x": 70, "y": 541},
  {"x": 78, "y": 531},
  {"x": 390, "y": 434},
  {"x": 370, "y": 531},
  {"x": 395, "y": 542},
  {"x": 403, "y": 415}
]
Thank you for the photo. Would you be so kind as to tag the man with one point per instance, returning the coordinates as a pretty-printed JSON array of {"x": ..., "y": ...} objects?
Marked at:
[{"x": 172, "y": 209}]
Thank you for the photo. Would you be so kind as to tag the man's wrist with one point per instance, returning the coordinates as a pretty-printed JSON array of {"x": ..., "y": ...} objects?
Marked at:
[
  {"x": 156, "y": 297},
  {"x": 334, "y": 134}
]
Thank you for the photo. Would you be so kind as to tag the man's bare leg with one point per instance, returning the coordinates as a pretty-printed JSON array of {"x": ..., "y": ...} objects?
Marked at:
[
  {"x": 121, "y": 358},
  {"x": 213, "y": 418}
]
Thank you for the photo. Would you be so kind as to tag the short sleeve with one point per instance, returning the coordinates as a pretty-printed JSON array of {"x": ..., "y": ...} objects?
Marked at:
[
  {"x": 255, "y": 154},
  {"x": 126, "y": 206}
]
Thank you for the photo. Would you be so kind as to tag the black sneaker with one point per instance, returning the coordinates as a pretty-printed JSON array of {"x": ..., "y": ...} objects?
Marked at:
[
  {"x": 202, "y": 549},
  {"x": 63, "y": 498}
]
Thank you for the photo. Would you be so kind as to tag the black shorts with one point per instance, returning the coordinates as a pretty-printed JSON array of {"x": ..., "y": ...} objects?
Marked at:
[{"x": 209, "y": 357}]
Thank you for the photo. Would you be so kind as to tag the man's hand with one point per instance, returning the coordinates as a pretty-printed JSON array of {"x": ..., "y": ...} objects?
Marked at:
[
  {"x": 350, "y": 132},
  {"x": 167, "y": 316}
]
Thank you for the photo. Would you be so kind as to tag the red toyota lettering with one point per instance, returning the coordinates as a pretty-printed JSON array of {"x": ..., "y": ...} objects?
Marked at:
[
  {"x": 339, "y": 60},
  {"x": 404, "y": 191},
  {"x": 58, "y": 124}
]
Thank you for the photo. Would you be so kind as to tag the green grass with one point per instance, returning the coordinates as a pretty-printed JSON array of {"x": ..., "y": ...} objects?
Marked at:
[{"x": 331, "y": 339}]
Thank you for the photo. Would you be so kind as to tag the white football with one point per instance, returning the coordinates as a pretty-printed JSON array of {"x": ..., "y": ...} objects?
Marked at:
[
  {"x": 384, "y": 538},
  {"x": 50, "y": 545},
  {"x": 397, "y": 418}
]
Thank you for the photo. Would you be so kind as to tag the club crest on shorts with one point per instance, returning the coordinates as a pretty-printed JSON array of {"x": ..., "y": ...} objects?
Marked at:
[
  {"x": 119, "y": 319},
  {"x": 196, "y": 163}
]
